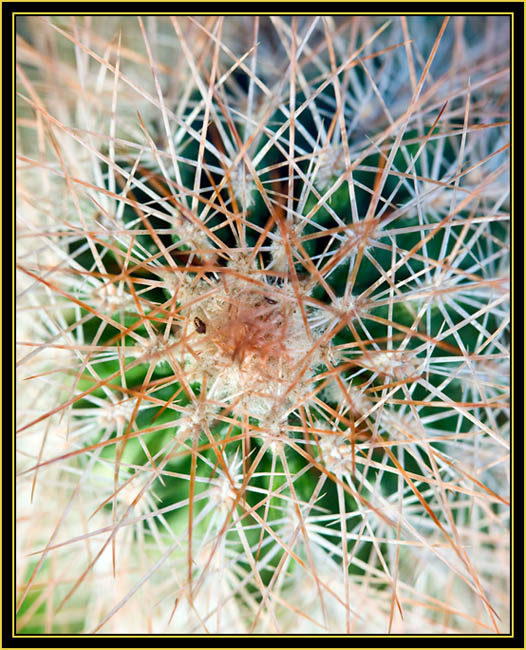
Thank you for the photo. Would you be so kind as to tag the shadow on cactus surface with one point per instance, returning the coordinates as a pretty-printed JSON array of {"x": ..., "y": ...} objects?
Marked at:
[{"x": 263, "y": 327}]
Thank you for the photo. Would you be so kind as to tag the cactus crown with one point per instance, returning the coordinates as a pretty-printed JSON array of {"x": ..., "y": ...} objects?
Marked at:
[{"x": 266, "y": 383}]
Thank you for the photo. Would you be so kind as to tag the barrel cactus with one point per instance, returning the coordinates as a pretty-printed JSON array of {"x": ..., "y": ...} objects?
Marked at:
[{"x": 263, "y": 326}]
